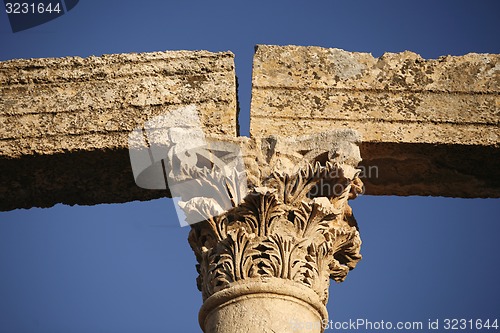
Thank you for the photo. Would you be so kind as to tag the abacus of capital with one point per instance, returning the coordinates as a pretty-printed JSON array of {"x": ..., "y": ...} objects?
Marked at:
[{"x": 269, "y": 215}]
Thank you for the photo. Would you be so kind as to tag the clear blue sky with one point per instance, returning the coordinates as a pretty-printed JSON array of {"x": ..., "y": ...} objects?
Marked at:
[{"x": 128, "y": 267}]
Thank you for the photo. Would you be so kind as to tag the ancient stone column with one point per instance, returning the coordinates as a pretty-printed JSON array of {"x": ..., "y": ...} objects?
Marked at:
[{"x": 267, "y": 252}]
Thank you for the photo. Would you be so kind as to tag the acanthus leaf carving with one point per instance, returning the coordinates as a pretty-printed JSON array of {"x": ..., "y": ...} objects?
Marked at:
[{"x": 293, "y": 226}]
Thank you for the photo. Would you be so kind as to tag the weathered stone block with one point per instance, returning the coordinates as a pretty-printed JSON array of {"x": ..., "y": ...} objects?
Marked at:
[
  {"x": 429, "y": 127},
  {"x": 65, "y": 122},
  {"x": 418, "y": 118}
]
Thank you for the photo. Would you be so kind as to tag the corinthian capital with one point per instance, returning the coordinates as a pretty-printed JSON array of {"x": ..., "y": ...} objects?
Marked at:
[
  {"x": 290, "y": 224},
  {"x": 270, "y": 220}
]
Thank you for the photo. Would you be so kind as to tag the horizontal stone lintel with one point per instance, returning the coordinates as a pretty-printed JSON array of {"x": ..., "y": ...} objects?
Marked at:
[
  {"x": 428, "y": 127},
  {"x": 65, "y": 122}
]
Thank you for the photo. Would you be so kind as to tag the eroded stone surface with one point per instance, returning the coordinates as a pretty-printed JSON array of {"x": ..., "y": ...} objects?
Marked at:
[
  {"x": 414, "y": 115},
  {"x": 65, "y": 122},
  {"x": 430, "y": 127}
]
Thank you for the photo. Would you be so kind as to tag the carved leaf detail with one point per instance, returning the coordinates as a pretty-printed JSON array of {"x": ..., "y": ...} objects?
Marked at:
[
  {"x": 260, "y": 210},
  {"x": 280, "y": 250},
  {"x": 279, "y": 230},
  {"x": 311, "y": 221}
]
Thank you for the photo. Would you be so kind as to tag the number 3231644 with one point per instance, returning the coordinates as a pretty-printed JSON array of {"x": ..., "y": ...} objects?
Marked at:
[
  {"x": 32, "y": 8},
  {"x": 471, "y": 324}
]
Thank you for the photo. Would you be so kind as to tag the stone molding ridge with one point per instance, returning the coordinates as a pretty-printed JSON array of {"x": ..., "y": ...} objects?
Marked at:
[{"x": 269, "y": 290}]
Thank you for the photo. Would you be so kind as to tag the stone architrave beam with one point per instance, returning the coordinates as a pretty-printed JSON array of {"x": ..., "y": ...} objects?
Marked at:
[
  {"x": 65, "y": 123},
  {"x": 429, "y": 127}
]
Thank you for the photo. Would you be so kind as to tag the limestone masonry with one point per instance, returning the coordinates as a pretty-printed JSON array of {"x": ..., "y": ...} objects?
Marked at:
[
  {"x": 65, "y": 122},
  {"x": 430, "y": 127},
  {"x": 270, "y": 217}
]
